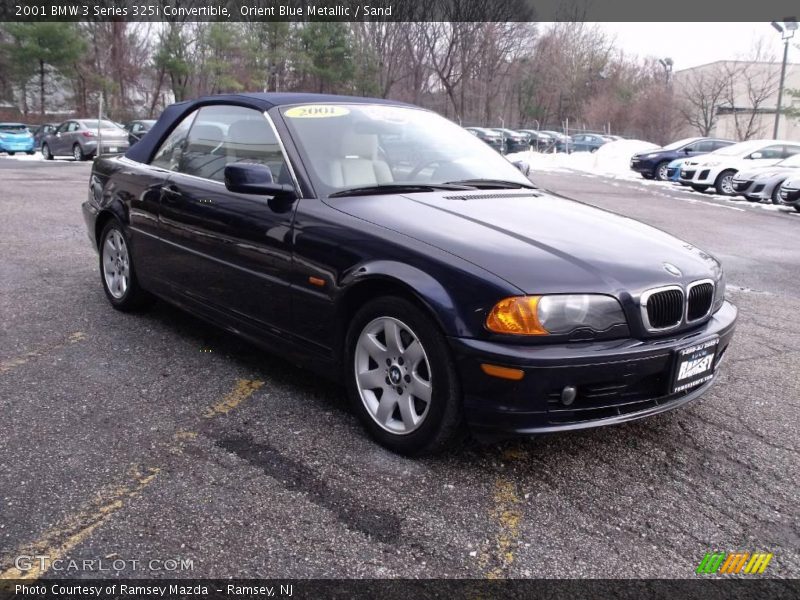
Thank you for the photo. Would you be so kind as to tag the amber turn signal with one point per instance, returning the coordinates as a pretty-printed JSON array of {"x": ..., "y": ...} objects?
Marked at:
[
  {"x": 503, "y": 372},
  {"x": 517, "y": 316}
]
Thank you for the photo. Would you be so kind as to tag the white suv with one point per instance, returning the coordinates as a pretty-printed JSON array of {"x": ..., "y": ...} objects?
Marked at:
[{"x": 718, "y": 168}]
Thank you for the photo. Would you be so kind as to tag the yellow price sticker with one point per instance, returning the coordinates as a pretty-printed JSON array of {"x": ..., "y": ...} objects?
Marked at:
[{"x": 316, "y": 111}]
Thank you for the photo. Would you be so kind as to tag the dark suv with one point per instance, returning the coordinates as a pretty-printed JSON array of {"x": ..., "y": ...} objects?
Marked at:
[{"x": 652, "y": 164}]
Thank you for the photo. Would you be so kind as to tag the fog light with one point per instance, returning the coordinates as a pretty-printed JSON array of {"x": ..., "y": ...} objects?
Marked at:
[
  {"x": 503, "y": 372},
  {"x": 568, "y": 395}
]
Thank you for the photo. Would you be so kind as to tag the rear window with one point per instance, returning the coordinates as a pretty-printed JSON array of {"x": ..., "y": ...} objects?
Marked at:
[{"x": 13, "y": 128}]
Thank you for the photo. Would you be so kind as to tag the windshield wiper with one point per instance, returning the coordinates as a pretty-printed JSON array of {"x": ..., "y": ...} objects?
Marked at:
[
  {"x": 398, "y": 188},
  {"x": 492, "y": 184}
]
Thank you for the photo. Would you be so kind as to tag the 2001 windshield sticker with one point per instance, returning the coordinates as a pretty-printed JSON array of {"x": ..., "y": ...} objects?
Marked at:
[{"x": 316, "y": 111}]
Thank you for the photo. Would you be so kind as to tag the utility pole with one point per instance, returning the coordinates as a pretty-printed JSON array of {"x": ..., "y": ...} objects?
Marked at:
[{"x": 786, "y": 28}]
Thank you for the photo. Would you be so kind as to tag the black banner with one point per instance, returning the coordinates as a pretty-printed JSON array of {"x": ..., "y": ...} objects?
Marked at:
[
  {"x": 394, "y": 10},
  {"x": 226, "y": 589}
]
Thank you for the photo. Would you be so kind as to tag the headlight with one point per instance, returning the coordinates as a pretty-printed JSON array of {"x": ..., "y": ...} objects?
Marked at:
[
  {"x": 719, "y": 291},
  {"x": 650, "y": 155},
  {"x": 557, "y": 314},
  {"x": 711, "y": 164}
]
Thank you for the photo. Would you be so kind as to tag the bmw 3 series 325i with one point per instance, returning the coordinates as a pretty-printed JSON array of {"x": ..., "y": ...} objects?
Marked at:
[{"x": 383, "y": 246}]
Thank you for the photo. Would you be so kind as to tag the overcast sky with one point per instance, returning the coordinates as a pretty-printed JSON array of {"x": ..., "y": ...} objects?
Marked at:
[{"x": 692, "y": 44}]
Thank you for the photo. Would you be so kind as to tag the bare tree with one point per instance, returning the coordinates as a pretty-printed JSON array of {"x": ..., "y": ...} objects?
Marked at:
[{"x": 701, "y": 91}]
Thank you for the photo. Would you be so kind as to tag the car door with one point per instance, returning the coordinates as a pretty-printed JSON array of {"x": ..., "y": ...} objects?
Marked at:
[
  {"x": 57, "y": 140},
  {"x": 229, "y": 252}
]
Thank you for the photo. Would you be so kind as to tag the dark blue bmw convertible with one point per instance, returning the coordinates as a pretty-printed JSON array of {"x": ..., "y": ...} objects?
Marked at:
[{"x": 383, "y": 246}]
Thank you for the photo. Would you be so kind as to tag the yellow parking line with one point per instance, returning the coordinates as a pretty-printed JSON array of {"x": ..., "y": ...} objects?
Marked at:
[
  {"x": 59, "y": 541},
  {"x": 243, "y": 389},
  {"x": 12, "y": 363}
]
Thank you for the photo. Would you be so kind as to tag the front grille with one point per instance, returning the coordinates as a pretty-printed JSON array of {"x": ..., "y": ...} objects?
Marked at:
[
  {"x": 701, "y": 295},
  {"x": 664, "y": 309}
]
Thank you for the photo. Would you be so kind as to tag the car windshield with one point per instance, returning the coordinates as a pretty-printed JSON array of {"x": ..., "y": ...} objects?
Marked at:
[
  {"x": 92, "y": 124},
  {"x": 347, "y": 146},
  {"x": 792, "y": 161},
  {"x": 680, "y": 143},
  {"x": 13, "y": 128}
]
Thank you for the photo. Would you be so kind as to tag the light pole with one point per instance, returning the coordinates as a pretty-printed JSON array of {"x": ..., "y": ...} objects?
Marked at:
[
  {"x": 786, "y": 28},
  {"x": 667, "y": 64}
]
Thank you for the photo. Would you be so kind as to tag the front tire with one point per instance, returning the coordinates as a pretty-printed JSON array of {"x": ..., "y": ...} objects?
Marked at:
[
  {"x": 724, "y": 183},
  {"x": 46, "y": 154},
  {"x": 117, "y": 272},
  {"x": 699, "y": 188},
  {"x": 660, "y": 172},
  {"x": 401, "y": 379},
  {"x": 776, "y": 193}
]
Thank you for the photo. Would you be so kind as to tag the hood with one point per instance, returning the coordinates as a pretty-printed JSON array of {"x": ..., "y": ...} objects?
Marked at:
[
  {"x": 766, "y": 171},
  {"x": 538, "y": 242}
]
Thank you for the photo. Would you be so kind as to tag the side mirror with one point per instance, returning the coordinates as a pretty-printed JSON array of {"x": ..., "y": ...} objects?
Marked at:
[
  {"x": 249, "y": 178},
  {"x": 687, "y": 150},
  {"x": 756, "y": 155},
  {"x": 523, "y": 166}
]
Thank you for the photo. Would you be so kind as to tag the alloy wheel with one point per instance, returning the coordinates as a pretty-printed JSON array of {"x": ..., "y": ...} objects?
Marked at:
[
  {"x": 76, "y": 152},
  {"x": 662, "y": 172},
  {"x": 727, "y": 184},
  {"x": 116, "y": 264},
  {"x": 393, "y": 375}
]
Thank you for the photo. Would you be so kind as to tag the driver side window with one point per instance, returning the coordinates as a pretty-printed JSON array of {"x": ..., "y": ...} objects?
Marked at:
[{"x": 171, "y": 150}]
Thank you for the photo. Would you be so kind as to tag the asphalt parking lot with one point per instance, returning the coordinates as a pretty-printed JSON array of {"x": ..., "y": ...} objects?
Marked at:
[{"x": 155, "y": 437}]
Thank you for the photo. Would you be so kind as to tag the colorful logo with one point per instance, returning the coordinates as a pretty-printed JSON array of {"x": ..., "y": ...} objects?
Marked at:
[{"x": 734, "y": 563}]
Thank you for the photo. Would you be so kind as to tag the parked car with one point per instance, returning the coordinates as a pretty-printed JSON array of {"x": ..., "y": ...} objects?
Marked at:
[
  {"x": 438, "y": 306},
  {"x": 587, "y": 142},
  {"x": 488, "y": 136},
  {"x": 674, "y": 169},
  {"x": 790, "y": 192},
  {"x": 41, "y": 131},
  {"x": 652, "y": 164},
  {"x": 764, "y": 183},
  {"x": 78, "y": 138},
  {"x": 513, "y": 141},
  {"x": 561, "y": 142},
  {"x": 536, "y": 139},
  {"x": 15, "y": 137},
  {"x": 719, "y": 168},
  {"x": 137, "y": 129}
]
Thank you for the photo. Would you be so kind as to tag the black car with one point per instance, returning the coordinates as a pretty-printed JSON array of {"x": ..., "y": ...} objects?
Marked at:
[
  {"x": 42, "y": 131},
  {"x": 137, "y": 129},
  {"x": 652, "y": 164},
  {"x": 513, "y": 141},
  {"x": 537, "y": 140},
  {"x": 489, "y": 136},
  {"x": 428, "y": 275}
]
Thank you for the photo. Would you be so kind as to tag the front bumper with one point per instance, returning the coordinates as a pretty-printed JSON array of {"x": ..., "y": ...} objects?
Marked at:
[
  {"x": 642, "y": 166},
  {"x": 617, "y": 381},
  {"x": 790, "y": 196}
]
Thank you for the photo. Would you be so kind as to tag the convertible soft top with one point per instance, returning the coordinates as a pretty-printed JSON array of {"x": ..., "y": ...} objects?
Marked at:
[{"x": 146, "y": 147}]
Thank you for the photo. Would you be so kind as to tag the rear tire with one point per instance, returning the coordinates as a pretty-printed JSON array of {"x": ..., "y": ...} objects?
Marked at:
[
  {"x": 117, "y": 272},
  {"x": 30, "y": 153},
  {"x": 11, "y": 153},
  {"x": 401, "y": 380},
  {"x": 46, "y": 152},
  {"x": 724, "y": 183},
  {"x": 699, "y": 188},
  {"x": 77, "y": 153}
]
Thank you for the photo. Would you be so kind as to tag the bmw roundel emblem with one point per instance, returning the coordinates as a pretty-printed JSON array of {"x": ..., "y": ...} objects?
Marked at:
[{"x": 672, "y": 269}]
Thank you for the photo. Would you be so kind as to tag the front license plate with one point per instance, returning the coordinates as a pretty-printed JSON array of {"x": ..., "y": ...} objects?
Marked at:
[{"x": 694, "y": 365}]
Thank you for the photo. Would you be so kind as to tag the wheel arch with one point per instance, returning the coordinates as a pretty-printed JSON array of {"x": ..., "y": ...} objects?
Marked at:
[{"x": 390, "y": 278}]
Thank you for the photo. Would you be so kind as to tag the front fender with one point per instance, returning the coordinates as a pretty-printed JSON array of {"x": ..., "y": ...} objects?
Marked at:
[{"x": 456, "y": 301}]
